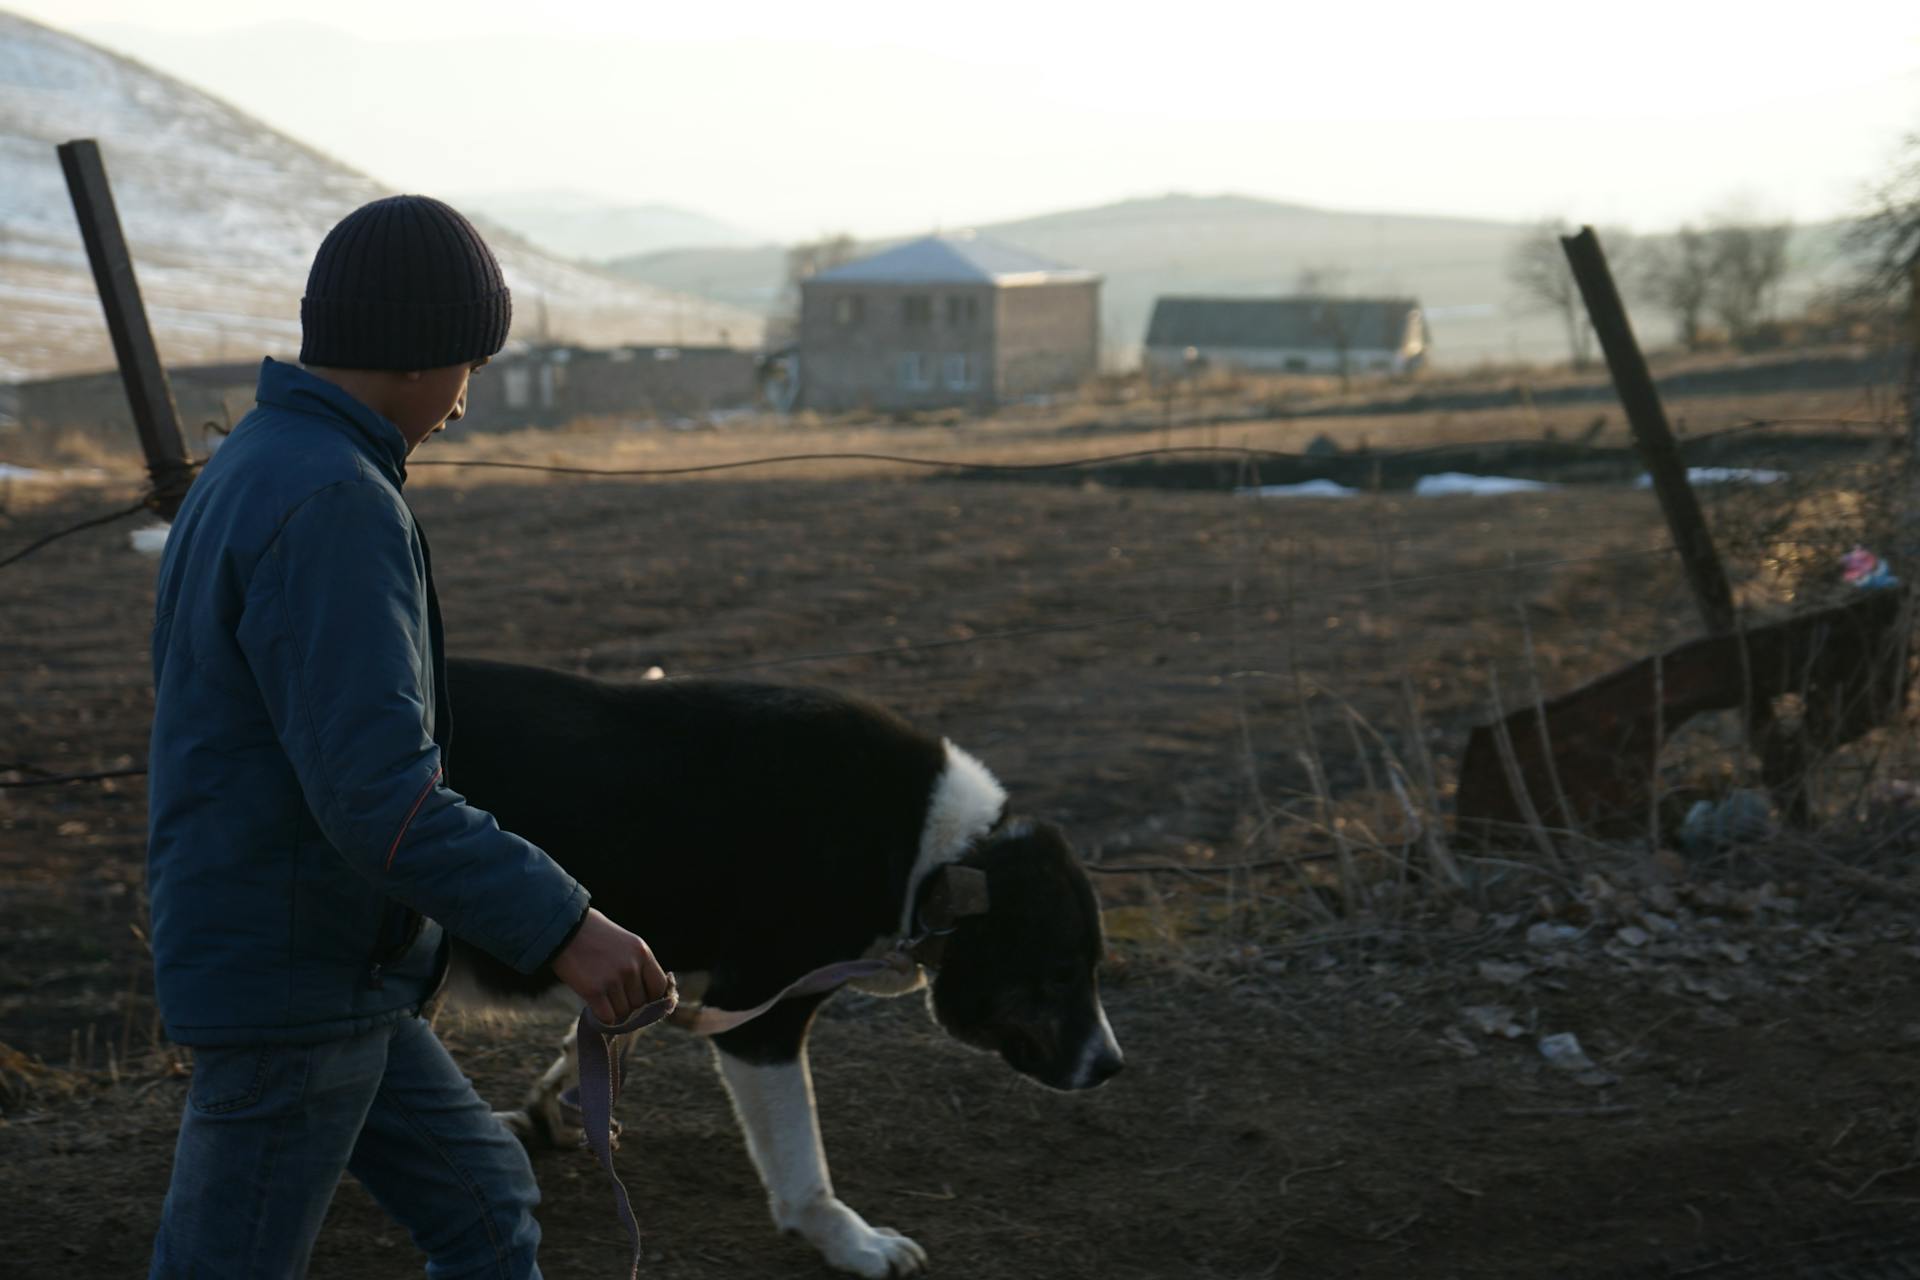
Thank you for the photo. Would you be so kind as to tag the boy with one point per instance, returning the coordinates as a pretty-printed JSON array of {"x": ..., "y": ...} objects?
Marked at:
[{"x": 304, "y": 850}]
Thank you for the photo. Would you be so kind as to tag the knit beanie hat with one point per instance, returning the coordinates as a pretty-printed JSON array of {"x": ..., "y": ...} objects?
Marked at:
[{"x": 403, "y": 283}]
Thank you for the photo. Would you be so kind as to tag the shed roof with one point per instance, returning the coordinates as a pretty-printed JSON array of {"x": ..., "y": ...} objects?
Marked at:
[
  {"x": 956, "y": 258},
  {"x": 1281, "y": 323}
]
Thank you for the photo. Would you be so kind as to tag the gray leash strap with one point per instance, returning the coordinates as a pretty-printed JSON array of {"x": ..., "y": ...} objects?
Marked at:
[
  {"x": 711, "y": 1022},
  {"x": 601, "y": 1069}
]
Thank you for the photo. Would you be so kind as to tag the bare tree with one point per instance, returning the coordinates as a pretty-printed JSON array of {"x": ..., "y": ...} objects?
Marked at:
[
  {"x": 1537, "y": 269},
  {"x": 1320, "y": 282},
  {"x": 811, "y": 257},
  {"x": 1887, "y": 242},
  {"x": 1748, "y": 261},
  {"x": 1886, "y": 238},
  {"x": 1679, "y": 276},
  {"x": 804, "y": 261},
  {"x": 1323, "y": 286}
]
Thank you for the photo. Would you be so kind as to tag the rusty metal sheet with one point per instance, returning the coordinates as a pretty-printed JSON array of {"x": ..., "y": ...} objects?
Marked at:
[{"x": 1593, "y": 769}]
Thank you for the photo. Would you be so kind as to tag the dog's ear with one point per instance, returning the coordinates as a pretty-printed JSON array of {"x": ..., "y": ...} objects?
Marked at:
[{"x": 956, "y": 892}]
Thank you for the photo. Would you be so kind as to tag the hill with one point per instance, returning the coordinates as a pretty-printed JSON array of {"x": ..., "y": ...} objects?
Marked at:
[
  {"x": 223, "y": 215},
  {"x": 585, "y": 228}
]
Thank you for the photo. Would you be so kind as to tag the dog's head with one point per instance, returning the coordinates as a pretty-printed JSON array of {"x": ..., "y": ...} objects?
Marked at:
[{"x": 1021, "y": 979}]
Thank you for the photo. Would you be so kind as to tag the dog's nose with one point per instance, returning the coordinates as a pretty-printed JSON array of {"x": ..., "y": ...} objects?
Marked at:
[{"x": 1102, "y": 1069}]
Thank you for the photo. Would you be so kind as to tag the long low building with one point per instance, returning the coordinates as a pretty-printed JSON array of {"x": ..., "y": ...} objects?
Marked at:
[
  {"x": 524, "y": 386},
  {"x": 550, "y": 385},
  {"x": 1286, "y": 335}
]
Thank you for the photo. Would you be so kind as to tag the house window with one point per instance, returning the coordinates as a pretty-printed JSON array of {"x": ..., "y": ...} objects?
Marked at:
[
  {"x": 519, "y": 380},
  {"x": 849, "y": 309},
  {"x": 960, "y": 373},
  {"x": 962, "y": 311},
  {"x": 916, "y": 311},
  {"x": 914, "y": 373}
]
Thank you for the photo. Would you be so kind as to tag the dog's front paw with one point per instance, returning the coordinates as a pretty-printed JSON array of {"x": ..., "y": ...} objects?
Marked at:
[
  {"x": 519, "y": 1124},
  {"x": 548, "y": 1128},
  {"x": 849, "y": 1244}
]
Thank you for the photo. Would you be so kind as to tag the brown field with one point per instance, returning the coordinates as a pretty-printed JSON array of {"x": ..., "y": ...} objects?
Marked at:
[{"x": 1323, "y": 1079}]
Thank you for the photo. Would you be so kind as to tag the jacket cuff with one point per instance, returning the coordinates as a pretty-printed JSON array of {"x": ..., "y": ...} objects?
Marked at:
[
  {"x": 562, "y": 944},
  {"x": 556, "y": 932}
]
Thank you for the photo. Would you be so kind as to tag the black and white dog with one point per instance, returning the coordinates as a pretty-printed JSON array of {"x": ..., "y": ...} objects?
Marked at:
[{"x": 752, "y": 833}]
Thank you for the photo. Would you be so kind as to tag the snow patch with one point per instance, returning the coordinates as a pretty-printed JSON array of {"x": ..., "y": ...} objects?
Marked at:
[
  {"x": 31, "y": 475},
  {"x": 1452, "y": 483},
  {"x": 1722, "y": 475},
  {"x": 150, "y": 541},
  {"x": 1305, "y": 489}
]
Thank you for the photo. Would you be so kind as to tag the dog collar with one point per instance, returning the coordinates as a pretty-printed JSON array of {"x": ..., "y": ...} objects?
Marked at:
[{"x": 952, "y": 894}]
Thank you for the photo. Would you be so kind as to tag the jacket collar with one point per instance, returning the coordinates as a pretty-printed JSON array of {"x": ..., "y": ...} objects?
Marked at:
[{"x": 288, "y": 386}]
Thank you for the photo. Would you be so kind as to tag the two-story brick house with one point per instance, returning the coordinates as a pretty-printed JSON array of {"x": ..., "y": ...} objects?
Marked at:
[{"x": 942, "y": 321}]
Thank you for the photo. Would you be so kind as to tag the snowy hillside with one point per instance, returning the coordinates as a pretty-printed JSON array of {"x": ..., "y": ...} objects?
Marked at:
[{"x": 224, "y": 215}]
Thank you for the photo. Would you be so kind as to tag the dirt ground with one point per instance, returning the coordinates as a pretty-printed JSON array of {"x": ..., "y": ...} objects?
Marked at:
[{"x": 1315, "y": 1086}]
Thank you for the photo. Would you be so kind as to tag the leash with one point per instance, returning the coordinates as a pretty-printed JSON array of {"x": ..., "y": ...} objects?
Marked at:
[
  {"x": 956, "y": 892},
  {"x": 601, "y": 1070},
  {"x": 828, "y": 977}
]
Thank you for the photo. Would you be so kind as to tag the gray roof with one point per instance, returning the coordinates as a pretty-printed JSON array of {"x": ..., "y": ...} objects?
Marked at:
[
  {"x": 1281, "y": 323},
  {"x": 958, "y": 258}
]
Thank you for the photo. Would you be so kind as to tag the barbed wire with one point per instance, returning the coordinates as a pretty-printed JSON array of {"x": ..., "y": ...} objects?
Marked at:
[
  {"x": 1160, "y": 616},
  {"x": 93, "y": 523},
  {"x": 47, "y": 779},
  {"x": 1239, "y": 453},
  {"x": 1243, "y": 453}
]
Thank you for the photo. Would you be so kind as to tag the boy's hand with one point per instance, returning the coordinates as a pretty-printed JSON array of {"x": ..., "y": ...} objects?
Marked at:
[{"x": 609, "y": 968}]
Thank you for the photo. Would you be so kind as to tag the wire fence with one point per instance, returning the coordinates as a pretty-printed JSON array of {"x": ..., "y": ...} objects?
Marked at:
[{"x": 1311, "y": 663}]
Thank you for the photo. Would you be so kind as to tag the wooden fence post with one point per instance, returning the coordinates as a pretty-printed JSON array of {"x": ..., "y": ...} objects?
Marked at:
[
  {"x": 1913, "y": 361},
  {"x": 148, "y": 393},
  {"x": 1634, "y": 384}
]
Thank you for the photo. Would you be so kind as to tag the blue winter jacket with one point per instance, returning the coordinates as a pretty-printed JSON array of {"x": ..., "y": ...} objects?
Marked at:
[{"x": 299, "y": 824}]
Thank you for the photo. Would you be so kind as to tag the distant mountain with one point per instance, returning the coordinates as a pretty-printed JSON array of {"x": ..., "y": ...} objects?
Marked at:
[
  {"x": 575, "y": 225},
  {"x": 1237, "y": 246},
  {"x": 224, "y": 215},
  {"x": 752, "y": 277}
]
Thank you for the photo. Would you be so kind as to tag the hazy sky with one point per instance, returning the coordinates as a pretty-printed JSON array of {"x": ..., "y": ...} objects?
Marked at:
[{"x": 891, "y": 117}]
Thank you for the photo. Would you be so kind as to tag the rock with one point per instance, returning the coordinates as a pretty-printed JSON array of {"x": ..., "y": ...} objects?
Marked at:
[
  {"x": 1742, "y": 816},
  {"x": 1547, "y": 934},
  {"x": 1563, "y": 1051},
  {"x": 1493, "y": 1020},
  {"x": 1506, "y": 973}
]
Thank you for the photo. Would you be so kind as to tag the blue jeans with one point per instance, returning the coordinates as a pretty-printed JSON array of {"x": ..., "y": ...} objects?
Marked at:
[{"x": 268, "y": 1129}]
